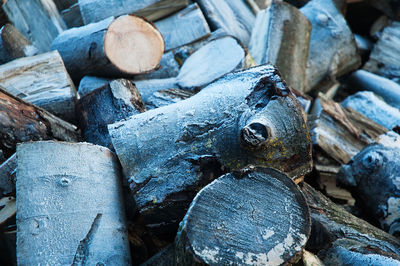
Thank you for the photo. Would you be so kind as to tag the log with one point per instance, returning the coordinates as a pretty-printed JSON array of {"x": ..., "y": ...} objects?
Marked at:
[
  {"x": 332, "y": 50},
  {"x": 191, "y": 23},
  {"x": 373, "y": 107},
  {"x": 64, "y": 4},
  {"x": 364, "y": 44},
  {"x": 281, "y": 36},
  {"x": 111, "y": 103},
  {"x": 120, "y": 46},
  {"x": 14, "y": 45},
  {"x": 8, "y": 209},
  {"x": 90, "y": 83},
  {"x": 7, "y": 176},
  {"x": 21, "y": 121},
  {"x": 168, "y": 68},
  {"x": 237, "y": 208},
  {"x": 72, "y": 16},
  {"x": 234, "y": 17},
  {"x": 38, "y": 20},
  {"x": 69, "y": 205},
  {"x": 372, "y": 177},
  {"x": 257, "y": 121},
  {"x": 43, "y": 81},
  {"x": 390, "y": 8},
  {"x": 94, "y": 10},
  {"x": 332, "y": 224},
  {"x": 165, "y": 257}
]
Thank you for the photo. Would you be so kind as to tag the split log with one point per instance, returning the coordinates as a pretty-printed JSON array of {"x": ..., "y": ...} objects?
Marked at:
[
  {"x": 373, "y": 107},
  {"x": 257, "y": 121},
  {"x": 112, "y": 47},
  {"x": 90, "y": 83},
  {"x": 43, "y": 81},
  {"x": 331, "y": 224},
  {"x": 364, "y": 45},
  {"x": 14, "y": 45},
  {"x": 333, "y": 50},
  {"x": 383, "y": 87},
  {"x": 234, "y": 17},
  {"x": 342, "y": 132},
  {"x": 21, "y": 121},
  {"x": 7, "y": 176},
  {"x": 372, "y": 176},
  {"x": 191, "y": 23},
  {"x": 69, "y": 203},
  {"x": 38, "y": 20},
  {"x": 281, "y": 36},
  {"x": 237, "y": 209},
  {"x": 72, "y": 16},
  {"x": 94, "y": 10},
  {"x": 111, "y": 103}
]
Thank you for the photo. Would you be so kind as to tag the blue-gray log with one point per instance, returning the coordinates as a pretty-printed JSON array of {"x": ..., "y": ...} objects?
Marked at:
[
  {"x": 113, "y": 47},
  {"x": 70, "y": 206},
  {"x": 337, "y": 234},
  {"x": 281, "y": 36},
  {"x": 333, "y": 50},
  {"x": 91, "y": 83},
  {"x": 248, "y": 117},
  {"x": 373, "y": 178},
  {"x": 253, "y": 217},
  {"x": 117, "y": 100},
  {"x": 8, "y": 171}
]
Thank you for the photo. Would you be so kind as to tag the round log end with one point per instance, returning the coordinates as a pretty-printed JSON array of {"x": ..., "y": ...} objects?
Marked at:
[
  {"x": 133, "y": 45},
  {"x": 254, "y": 134}
]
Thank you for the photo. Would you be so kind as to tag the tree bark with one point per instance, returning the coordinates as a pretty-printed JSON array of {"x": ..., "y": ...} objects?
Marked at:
[
  {"x": 90, "y": 83},
  {"x": 281, "y": 36},
  {"x": 257, "y": 121},
  {"x": 69, "y": 203},
  {"x": 21, "y": 121},
  {"x": 237, "y": 209},
  {"x": 43, "y": 81},
  {"x": 38, "y": 20},
  {"x": 168, "y": 68},
  {"x": 120, "y": 46}
]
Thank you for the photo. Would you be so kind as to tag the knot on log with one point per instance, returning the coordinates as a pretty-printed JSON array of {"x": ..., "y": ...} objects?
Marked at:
[{"x": 254, "y": 134}]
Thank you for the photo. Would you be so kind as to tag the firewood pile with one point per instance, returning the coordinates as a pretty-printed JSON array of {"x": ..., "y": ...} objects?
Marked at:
[{"x": 200, "y": 132}]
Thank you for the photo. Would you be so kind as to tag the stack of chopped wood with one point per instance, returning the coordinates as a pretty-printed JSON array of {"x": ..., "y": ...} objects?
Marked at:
[{"x": 199, "y": 132}]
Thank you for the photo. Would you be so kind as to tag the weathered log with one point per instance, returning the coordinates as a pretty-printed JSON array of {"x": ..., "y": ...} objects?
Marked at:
[
  {"x": 38, "y": 20},
  {"x": 342, "y": 132},
  {"x": 333, "y": 50},
  {"x": 332, "y": 224},
  {"x": 69, "y": 205},
  {"x": 234, "y": 17},
  {"x": 72, "y": 16},
  {"x": 373, "y": 107},
  {"x": 90, "y": 83},
  {"x": 14, "y": 45},
  {"x": 372, "y": 176},
  {"x": 364, "y": 45},
  {"x": 7, "y": 176},
  {"x": 111, "y": 103},
  {"x": 165, "y": 257},
  {"x": 191, "y": 23},
  {"x": 237, "y": 209},
  {"x": 166, "y": 97},
  {"x": 257, "y": 121},
  {"x": 168, "y": 68},
  {"x": 21, "y": 121},
  {"x": 112, "y": 47},
  {"x": 64, "y": 4},
  {"x": 378, "y": 26},
  {"x": 95, "y": 10},
  {"x": 281, "y": 36},
  {"x": 8, "y": 209},
  {"x": 43, "y": 81}
]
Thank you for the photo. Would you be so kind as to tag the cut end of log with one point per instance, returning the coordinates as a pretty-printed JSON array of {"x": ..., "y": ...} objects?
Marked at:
[
  {"x": 254, "y": 134},
  {"x": 133, "y": 45}
]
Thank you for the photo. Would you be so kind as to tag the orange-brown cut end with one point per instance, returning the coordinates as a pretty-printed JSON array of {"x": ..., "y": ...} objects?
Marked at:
[{"x": 133, "y": 45}]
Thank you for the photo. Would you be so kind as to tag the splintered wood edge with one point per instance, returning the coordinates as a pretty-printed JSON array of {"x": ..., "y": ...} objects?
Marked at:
[{"x": 133, "y": 45}]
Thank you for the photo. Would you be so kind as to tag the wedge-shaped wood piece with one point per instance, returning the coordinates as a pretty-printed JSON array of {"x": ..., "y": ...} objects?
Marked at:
[
  {"x": 38, "y": 20},
  {"x": 95, "y": 10},
  {"x": 14, "y": 45},
  {"x": 170, "y": 153},
  {"x": 120, "y": 46},
  {"x": 333, "y": 50},
  {"x": 111, "y": 103},
  {"x": 69, "y": 201},
  {"x": 281, "y": 36},
  {"x": 21, "y": 121},
  {"x": 43, "y": 81},
  {"x": 191, "y": 24},
  {"x": 7, "y": 176},
  {"x": 261, "y": 216}
]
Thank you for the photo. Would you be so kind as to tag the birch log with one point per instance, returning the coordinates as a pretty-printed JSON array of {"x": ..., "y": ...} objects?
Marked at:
[
  {"x": 69, "y": 201},
  {"x": 281, "y": 36},
  {"x": 43, "y": 81},
  {"x": 96, "y": 10},
  {"x": 21, "y": 121},
  {"x": 38, "y": 20},
  {"x": 120, "y": 46},
  {"x": 247, "y": 117},
  {"x": 255, "y": 218},
  {"x": 14, "y": 45}
]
